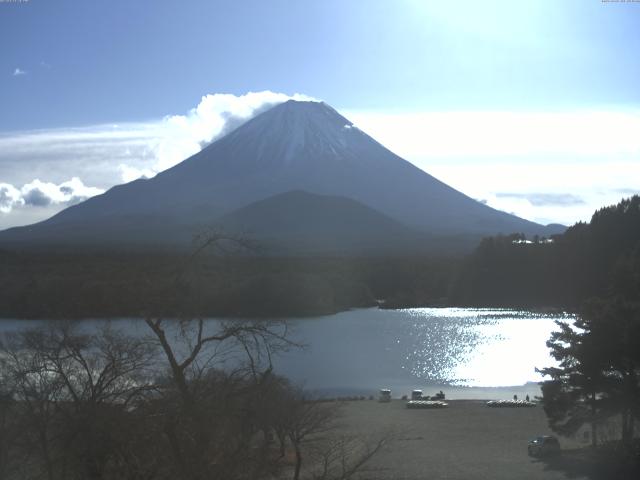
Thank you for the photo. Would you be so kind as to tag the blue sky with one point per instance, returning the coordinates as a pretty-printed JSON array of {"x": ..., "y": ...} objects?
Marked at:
[{"x": 88, "y": 64}]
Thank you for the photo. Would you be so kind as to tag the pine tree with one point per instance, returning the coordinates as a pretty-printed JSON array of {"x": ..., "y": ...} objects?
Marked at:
[{"x": 598, "y": 376}]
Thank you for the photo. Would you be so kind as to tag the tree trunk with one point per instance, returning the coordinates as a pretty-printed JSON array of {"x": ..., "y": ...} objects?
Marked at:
[
  {"x": 44, "y": 443},
  {"x": 628, "y": 427},
  {"x": 175, "y": 447},
  {"x": 282, "y": 450},
  {"x": 594, "y": 433},
  {"x": 296, "y": 473}
]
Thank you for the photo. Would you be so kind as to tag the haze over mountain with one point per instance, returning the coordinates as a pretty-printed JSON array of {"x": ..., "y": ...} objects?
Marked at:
[{"x": 334, "y": 170}]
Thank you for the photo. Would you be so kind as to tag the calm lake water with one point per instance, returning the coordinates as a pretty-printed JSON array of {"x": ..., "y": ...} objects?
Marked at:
[{"x": 466, "y": 352}]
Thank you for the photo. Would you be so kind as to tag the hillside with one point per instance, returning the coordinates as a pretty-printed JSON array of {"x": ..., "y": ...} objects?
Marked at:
[
  {"x": 294, "y": 146},
  {"x": 596, "y": 259}
]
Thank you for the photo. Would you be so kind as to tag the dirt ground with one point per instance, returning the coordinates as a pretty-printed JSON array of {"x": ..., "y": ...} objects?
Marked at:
[{"x": 465, "y": 441}]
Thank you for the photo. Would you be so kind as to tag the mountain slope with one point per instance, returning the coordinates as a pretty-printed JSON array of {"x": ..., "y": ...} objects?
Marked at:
[
  {"x": 299, "y": 221},
  {"x": 293, "y": 146}
]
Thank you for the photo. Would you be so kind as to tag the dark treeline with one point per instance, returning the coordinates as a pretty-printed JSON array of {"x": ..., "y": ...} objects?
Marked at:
[
  {"x": 592, "y": 259},
  {"x": 596, "y": 259},
  {"x": 593, "y": 269},
  {"x": 81, "y": 285},
  {"x": 596, "y": 381},
  {"x": 597, "y": 377}
]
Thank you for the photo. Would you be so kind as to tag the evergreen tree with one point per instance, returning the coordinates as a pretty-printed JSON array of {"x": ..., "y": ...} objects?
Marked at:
[
  {"x": 598, "y": 376},
  {"x": 572, "y": 397}
]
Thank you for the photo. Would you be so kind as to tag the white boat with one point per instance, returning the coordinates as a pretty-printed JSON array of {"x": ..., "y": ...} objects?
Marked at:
[
  {"x": 426, "y": 404},
  {"x": 385, "y": 395},
  {"x": 510, "y": 403}
]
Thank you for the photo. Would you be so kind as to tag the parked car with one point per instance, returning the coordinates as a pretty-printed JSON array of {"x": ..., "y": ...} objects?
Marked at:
[{"x": 543, "y": 446}]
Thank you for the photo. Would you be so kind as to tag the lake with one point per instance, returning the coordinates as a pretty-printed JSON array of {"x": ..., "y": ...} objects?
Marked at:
[
  {"x": 459, "y": 350},
  {"x": 468, "y": 353}
]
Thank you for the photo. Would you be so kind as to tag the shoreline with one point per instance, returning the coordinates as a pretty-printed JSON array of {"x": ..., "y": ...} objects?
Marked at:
[
  {"x": 306, "y": 315},
  {"x": 467, "y": 393},
  {"x": 466, "y": 440}
]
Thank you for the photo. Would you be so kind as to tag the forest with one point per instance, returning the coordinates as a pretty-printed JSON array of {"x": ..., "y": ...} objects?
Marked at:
[
  {"x": 593, "y": 259},
  {"x": 596, "y": 381},
  {"x": 89, "y": 285}
]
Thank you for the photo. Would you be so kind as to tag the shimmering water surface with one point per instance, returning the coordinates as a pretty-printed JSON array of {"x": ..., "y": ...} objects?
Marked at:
[
  {"x": 367, "y": 349},
  {"x": 422, "y": 347}
]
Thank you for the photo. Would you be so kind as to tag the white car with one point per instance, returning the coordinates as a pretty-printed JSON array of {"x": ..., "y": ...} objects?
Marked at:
[{"x": 543, "y": 446}]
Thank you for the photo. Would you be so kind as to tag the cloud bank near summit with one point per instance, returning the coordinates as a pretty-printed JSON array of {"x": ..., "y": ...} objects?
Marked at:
[
  {"x": 181, "y": 136},
  {"x": 35, "y": 166},
  {"x": 562, "y": 165}
]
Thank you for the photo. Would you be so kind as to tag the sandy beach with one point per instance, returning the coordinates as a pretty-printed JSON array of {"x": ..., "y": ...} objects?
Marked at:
[{"x": 466, "y": 440}]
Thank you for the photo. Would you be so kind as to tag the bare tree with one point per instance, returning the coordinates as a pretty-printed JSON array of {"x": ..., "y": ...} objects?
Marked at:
[
  {"x": 197, "y": 351},
  {"x": 71, "y": 391},
  {"x": 319, "y": 440},
  {"x": 342, "y": 457},
  {"x": 194, "y": 399},
  {"x": 9, "y": 432},
  {"x": 216, "y": 370}
]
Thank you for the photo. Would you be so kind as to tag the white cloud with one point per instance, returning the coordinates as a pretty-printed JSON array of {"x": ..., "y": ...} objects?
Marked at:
[
  {"x": 18, "y": 71},
  {"x": 500, "y": 134},
  {"x": 9, "y": 197},
  {"x": 592, "y": 155},
  {"x": 596, "y": 182},
  {"x": 43, "y": 194},
  {"x": 184, "y": 135},
  {"x": 106, "y": 155},
  {"x": 129, "y": 173}
]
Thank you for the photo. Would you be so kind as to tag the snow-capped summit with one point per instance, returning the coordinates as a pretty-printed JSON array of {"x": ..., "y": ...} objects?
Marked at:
[
  {"x": 294, "y": 146},
  {"x": 292, "y": 131}
]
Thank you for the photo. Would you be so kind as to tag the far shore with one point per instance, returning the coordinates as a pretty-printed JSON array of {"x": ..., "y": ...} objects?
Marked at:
[{"x": 457, "y": 392}]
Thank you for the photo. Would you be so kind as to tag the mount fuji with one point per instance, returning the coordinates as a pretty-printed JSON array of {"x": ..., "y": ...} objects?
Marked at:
[{"x": 298, "y": 174}]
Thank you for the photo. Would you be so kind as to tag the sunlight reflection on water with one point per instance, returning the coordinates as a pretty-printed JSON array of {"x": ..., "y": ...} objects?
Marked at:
[
  {"x": 477, "y": 347},
  {"x": 425, "y": 346},
  {"x": 371, "y": 348}
]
